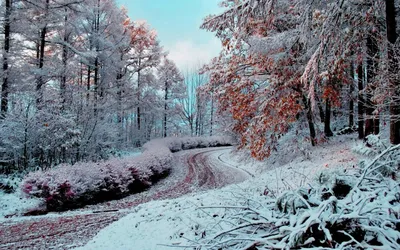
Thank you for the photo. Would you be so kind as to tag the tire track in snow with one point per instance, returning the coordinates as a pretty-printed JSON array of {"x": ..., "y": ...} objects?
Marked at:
[{"x": 65, "y": 230}]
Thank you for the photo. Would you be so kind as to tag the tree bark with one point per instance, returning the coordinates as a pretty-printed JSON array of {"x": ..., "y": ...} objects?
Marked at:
[
  {"x": 138, "y": 118},
  {"x": 351, "y": 92},
  {"x": 198, "y": 113},
  {"x": 64, "y": 61},
  {"x": 361, "y": 110},
  {"x": 393, "y": 70},
  {"x": 89, "y": 72},
  {"x": 6, "y": 50},
  {"x": 307, "y": 107},
  {"x": 327, "y": 124},
  {"x": 372, "y": 123},
  {"x": 96, "y": 61},
  {"x": 95, "y": 85},
  {"x": 165, "y": 110},
  {"x": 42, "y": 45},
  {"x": 212, "y": 115}
]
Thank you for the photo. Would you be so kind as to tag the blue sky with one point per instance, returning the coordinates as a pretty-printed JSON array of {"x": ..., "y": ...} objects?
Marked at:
[{"x": 177, "y": 23}]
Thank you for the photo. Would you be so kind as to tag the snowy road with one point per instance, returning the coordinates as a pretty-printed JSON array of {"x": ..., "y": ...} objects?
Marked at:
[{"x": 195, "y": 170}]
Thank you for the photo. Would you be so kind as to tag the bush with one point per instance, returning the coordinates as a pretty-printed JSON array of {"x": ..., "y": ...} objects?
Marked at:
[
  {"x": 66, "y": 187},
  {"x": 9, "y": 183},
  {"x": 343, "y": 211}
]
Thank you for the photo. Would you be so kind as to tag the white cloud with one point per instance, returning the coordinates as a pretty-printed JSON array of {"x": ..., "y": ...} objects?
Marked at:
[{"x": 187, "y": 54}]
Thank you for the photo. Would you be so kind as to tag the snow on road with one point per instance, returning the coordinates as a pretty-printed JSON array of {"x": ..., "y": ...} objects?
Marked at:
[
  {"x": 173, "y": 213},
  {"x": 194, "y": 171},
  {"x": 173, "y": 224}
]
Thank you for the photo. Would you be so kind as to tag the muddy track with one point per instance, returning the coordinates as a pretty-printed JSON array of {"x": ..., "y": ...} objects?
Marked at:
[{"x": 68, "y": 230}]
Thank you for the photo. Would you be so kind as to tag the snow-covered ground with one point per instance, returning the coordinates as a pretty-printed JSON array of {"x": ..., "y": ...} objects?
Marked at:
[
  {"x": 193, "y": 171},
  {"x": 16, "y": 203},
  {"x": 175, "y": 223}
]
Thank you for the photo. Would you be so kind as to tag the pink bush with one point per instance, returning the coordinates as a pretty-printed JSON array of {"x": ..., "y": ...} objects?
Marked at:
[{"x": 70, "y": 186}]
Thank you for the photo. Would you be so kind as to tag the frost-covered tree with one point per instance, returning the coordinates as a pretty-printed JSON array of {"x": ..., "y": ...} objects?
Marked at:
[
  {"x": 172, "y": 82},
  {"x": 195, "y": 105},
  {"x": 393, "y": 58},
  {"x": 74, "y": 73},
  {"x": 6, "y": 49},
  {"x": 282, "y": 60}
]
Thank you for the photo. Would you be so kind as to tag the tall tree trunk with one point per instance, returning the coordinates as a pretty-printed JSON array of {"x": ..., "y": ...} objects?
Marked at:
[
  {"x": 360, "y": 73},
  {"x": 328, "y": 108},
  {"x": 393, "y": 70},
  {"x": 63, "y": 83},
  {"x": 307, "y": 108},
  {"x": 165, "y": 110},
  {"x": 138, "y": 117},
  {"x": 327, "y": 123},
  {"x": 64, "y": 61},
  {"x": 96, "y": 61},
  {"x": 6, "y": 50},
  {"x": 120, "y": 109},
  {"x": 89, "y": 73},
  {"x": 197, "y": 122},
  {"x": 212, "y": 114},
  {"x": 95, "y": 85},
  {"x": 351, "y": 93},
  {"x": 42, "y": 45},
  {"x": 372, "y": 51},
  {"x": 119, "y": 96}
]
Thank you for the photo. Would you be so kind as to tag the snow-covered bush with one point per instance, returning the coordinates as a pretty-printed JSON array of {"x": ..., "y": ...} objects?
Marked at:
[
  {"x": 184, "y": 143},
  {"x": 389, "y": 164},
  {"x": 83, "y": 183},
  {"x": 371, "y": 146},
  {"x": 70, "y": 186},
  {"x": 347, "y": 130},
  {"x": 9, "y": 183},
  {"x": 345, "y": 211}
]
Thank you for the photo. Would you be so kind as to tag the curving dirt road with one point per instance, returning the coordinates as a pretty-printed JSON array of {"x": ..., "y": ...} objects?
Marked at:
[{"x": 194, "y": 170}]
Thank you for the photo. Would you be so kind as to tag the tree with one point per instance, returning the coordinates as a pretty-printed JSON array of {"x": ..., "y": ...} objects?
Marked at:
[
  {"x": 360, "y": 74},
  {"x": 194, "y": 105},
  {"x": 69, "y": 90},
  {"x": 6, "y": 50},
  {"x": 280, "y": 60},
  {"x": 145, "y": 54},
  {"x": 172, "y": 81},
  {"x": 393, "y": 69}
]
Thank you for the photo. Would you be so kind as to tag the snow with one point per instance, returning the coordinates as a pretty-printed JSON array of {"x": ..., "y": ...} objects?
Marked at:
[
  {"x": 16, "y": 204},
  {"x": 159, "y": 224}
]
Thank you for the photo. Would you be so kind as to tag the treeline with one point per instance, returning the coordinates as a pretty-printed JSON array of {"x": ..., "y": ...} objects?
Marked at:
[
  {"x": 287, "y": 64},
  {"x": 81, "y": 81}
]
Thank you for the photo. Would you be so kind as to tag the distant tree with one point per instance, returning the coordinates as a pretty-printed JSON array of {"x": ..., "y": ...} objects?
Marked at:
[
  {"x": 172, "y": 81},
  {"x": 194, "y": 104}
]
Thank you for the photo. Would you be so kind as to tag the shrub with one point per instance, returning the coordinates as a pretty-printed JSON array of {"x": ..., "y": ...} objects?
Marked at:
[
  {"x": 344, "y": 211},
  {"x": 66, "y": 186}
]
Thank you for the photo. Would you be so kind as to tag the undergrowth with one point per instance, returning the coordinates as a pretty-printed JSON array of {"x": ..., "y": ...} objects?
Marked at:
[{"x": 341, "y": 210}]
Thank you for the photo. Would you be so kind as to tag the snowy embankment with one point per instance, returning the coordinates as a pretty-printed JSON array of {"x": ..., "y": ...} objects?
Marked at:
[
  {"x": 320, "y": 200},
  {"x": 66, "y": 186}
]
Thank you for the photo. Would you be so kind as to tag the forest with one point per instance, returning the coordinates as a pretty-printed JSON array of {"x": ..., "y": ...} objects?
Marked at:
[
  {"x": 289, "y": 138},
  {"x": 291, "y": 61},
  {"x": 81, "y": 81}
]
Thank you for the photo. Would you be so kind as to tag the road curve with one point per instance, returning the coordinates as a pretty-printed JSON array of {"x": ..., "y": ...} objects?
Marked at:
[{"x": 193, "y": 171}]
